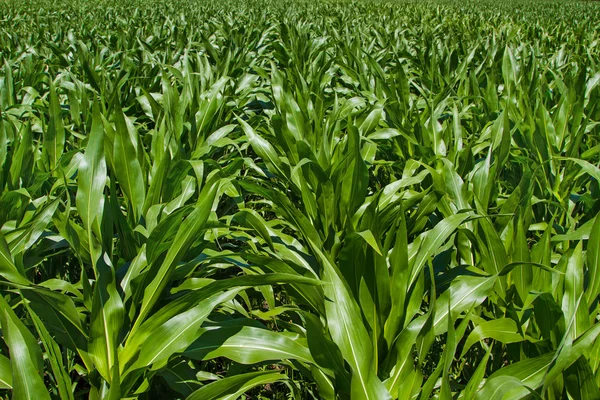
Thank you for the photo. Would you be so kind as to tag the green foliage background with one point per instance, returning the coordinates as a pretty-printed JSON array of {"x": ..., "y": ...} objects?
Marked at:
[{"x": 299, "y": 199}]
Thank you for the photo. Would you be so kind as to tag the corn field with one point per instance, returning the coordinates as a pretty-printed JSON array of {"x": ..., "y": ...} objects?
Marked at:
[{"x": 299, "y": 199}]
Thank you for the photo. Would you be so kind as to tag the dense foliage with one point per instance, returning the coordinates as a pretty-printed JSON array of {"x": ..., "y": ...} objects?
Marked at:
[{"x": 299, "y": 199}]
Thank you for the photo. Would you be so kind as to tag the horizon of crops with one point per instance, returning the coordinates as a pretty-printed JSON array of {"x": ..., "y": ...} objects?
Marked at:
[{"x": 302, "y": 199}]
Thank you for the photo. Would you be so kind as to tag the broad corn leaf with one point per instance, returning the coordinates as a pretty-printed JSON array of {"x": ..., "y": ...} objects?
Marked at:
[{"x": 25, "y": 356}]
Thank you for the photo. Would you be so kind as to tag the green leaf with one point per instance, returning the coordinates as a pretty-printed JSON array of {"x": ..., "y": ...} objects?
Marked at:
[
  {"x": 54, "y": 355},
  {"x": 106, "y": 320},
  {"x": 60, "y": 316},
  {"x": 529, "y": 372},
  {"x": 54, "y": 139},
  {"x": 127, "y": 168},
  {"x": 247, "y": 345},
  {"x": 522, "y": 275},
  {"x": 477, "y": 379},
  {"x": 399, "y": 280},
  {"x": 592, "y": 259},
  {"x": 586, "y": 167},
  {"x": 190, "y": 300},
  {"x": 432, "y": 241},
  {"x": 325, "y": 352},
  {"x": 568, "y": 354},
  {"x": 91, "y": 177},
  {"x": 188, "y": 233},
  {"x": 251, "y": 219},
  {"x": 176, "y": 334},
  {"x": 503, "y": 330},
  {"x": 232, "y": 387},
  {"x": 502, "y": 388},
  {"x": 5, "y": 373},
  {"x": 265, "y": 151},
  {"x": 22, "y": 159},
  {"x": 181, "y": 378},
  {"x": 573, "y": 308},
  {"x": 580, "y": 381},
  {"x": 8, "y": 269},
  {"x": 351, "y": 336},
  {"x": 465, "y": 292},
  {"x": 25, "y": 357}
]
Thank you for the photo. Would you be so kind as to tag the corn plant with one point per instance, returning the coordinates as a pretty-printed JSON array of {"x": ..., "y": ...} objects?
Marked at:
[{"x": 329, "y": 200}]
